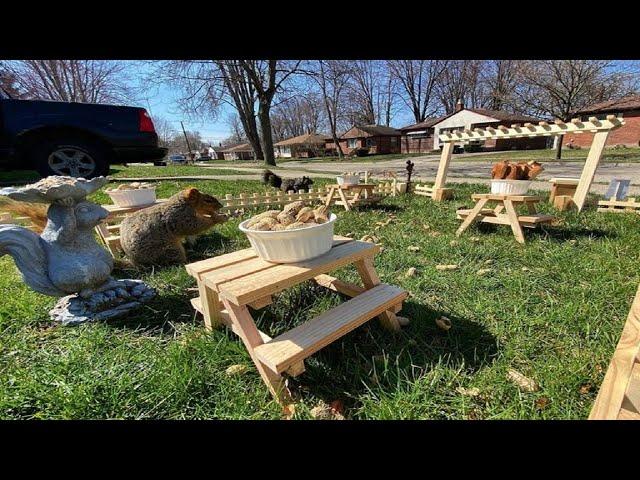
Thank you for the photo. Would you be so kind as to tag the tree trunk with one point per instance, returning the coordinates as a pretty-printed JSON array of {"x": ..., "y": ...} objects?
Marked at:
[
  {"x": 559, "y": 147},
  {"x": 265, "y": 137}
]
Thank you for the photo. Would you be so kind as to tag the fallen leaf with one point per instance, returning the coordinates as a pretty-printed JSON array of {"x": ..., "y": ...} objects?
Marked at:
[
  {"x": 435, "y": 234},
  {"x": 454, "y": 243},
  {"x": 403, "y": 321},
  {"x": 443, "y": 323},
  {"x": 443, "y": 268},
  {"x": 490, "y": 261},
  {"x": 337, "y": 407},
  {"x": 586, "y": 388},
  {"x": 474, "y": 239},
  {"x": 542, "y": 403},
  {"x": 526, "y": 269},
  {"x": 289, "y": 411},
  {"x": 325, "y": 412},
  {"x": 468, "y": 392},
  {"x": 236, "y": 369},
  {"x": 483, "y": 271},
  {"x": 369, "y": 239},
  {"x": 525, "y": 383},
  {"x": 413, "y": 249},
  {"x": 411, "y": 272},
  {"x": 426, "y": 227}
]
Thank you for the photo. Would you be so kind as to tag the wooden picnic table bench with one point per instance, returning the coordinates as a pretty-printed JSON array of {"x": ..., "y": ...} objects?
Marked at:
[
  {"x": 362, "y": 194},
  {"x": 229, "y": 284}
]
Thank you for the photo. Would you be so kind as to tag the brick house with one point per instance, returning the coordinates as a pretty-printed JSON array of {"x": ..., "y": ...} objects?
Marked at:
[
  {"x": 470, "y": 118},
  {"x": 418, "y": 137},
  {"x": 629, "y": 134},
  {"x": 302, "y": 146},
  {"x": 378, "y": 139},
  {"x": 242, "y": 151}
]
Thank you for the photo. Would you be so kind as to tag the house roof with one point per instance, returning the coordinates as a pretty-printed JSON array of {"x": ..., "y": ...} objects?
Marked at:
[
  {"x": 631, "y": 102},
  {"x": 370, "y": 131},
  {"x": 306, "y": 139},
  {"x": 243, "y": 147},
  {"x": 426, "y": 123},
  {"x": 504, "y": 116}
]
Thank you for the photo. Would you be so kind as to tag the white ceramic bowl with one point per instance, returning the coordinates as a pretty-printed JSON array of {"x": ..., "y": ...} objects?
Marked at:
[
  {"x": 348, "y": 179},
  {"x": 510, "y": 187},
  {"x": 290, "y": 246},
  {"x": 133, "y": 198}
]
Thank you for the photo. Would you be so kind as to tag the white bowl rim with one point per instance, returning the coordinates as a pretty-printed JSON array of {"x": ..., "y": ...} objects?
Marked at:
[{"x": 244, "y": 229}]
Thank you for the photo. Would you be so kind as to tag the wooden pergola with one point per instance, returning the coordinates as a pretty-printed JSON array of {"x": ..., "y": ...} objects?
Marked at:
[{"x": 600, "y": 128}]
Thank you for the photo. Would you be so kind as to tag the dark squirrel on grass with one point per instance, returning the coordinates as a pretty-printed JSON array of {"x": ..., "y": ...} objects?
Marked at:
[{"x": 286, "y": 184}]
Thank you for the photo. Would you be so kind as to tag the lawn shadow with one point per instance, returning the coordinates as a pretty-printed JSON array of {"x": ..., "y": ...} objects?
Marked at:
[
  {"x": 371, "y": 358},
  {"x": 564, "y": 233},
  {"x": 381, "y": 207}
]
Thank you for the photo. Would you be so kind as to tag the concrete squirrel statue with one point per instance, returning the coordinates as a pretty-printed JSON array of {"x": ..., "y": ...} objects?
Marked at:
[
  {"x": 286, "y": 184},
  {"x": 155, "y": 235},
  {"x": 54, "y": 263}
]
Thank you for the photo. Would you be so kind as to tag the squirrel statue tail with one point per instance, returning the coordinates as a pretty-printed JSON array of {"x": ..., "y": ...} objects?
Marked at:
[
  {"x": 270, "y": 178},
  {"x": 27, "y": 251}
]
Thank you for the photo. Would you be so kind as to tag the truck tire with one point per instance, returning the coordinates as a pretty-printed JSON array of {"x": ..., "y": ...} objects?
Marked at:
[{"x": 75, "y": 157}]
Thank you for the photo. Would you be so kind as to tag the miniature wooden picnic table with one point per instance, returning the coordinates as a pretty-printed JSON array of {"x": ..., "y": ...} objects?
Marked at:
[
  {"x": 229, "y": 284},
  {"x": 507, "y": 203},
  {"x": 365, "y": 189}
]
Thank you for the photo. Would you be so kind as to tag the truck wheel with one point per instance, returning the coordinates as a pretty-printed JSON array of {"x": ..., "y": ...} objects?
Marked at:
[{"x": 70, "y": 157}]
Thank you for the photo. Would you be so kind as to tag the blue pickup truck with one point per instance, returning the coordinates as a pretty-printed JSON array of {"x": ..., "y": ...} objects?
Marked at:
[{"x": 76, "y": 139}]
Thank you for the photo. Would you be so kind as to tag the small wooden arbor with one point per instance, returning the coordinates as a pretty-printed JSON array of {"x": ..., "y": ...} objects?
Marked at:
[{"x": 600, "y": 128}]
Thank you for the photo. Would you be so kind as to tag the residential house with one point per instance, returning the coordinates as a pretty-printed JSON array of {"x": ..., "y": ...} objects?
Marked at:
[
  {"x": 242, "y": 151},
  {"x": 470, "y": 118},
  {"x": 418, "y": 137},
  {"x": 629, "y": 134},
  {"x": 302, "y": 146},
  {"x": 377, "y": 139}
]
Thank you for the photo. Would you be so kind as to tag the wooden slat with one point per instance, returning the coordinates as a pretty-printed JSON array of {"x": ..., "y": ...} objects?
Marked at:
[
  {"x": 196, "y": 269},
  {"x": 513, "y": 198},
  {"x": 306, "y": 339},
  {"x": 627, "y": 415},
  {"x": 589, "y": 169},
  {"x": 345, "y": 288},
  {"x": 267, "y": 282},
  {"x": 632, "y": 400},
  {"x": 614, "y": 386}
]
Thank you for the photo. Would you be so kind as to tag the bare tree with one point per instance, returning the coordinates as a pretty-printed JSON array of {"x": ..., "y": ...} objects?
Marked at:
[
  {"x": 558, "y": 88},
  {"x": 332, "y": 76},
  {"x": 165, "y": 131},
  {"x": 297, "y": 115},
  {"x": 8, "y": 82},
  {"x": 267, "y": 77},
  {"x": 461, "y": 81},
  {"x": 237, "y": 131},
  {"x": 418, "y": 80},
  {"x": 500, "y": 78},
  {"x": 89, "y": 81}
]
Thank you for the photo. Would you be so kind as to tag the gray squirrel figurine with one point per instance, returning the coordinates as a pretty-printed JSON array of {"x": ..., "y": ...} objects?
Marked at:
[{"x": 65, "y": 260}]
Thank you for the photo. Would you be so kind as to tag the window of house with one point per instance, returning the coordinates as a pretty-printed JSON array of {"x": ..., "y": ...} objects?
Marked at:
[
  {"x": 394, "y": 140},
  {"x": 371, "y": 142},
  {"x": 352, "y": 143}
]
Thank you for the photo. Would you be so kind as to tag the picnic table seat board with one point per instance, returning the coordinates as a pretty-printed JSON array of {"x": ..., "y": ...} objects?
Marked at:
[
  {"x": 230, "y": 283},
  {"x": 508, "y": 203},
  {"x": 619, "y": 394}
]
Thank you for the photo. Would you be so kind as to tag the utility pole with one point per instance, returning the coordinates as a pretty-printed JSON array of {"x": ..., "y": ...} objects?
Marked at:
[{"x": 187, "y": 140}]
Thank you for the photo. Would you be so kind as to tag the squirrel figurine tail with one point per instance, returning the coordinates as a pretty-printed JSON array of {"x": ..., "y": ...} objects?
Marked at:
[{"x": 27, "y": 251}]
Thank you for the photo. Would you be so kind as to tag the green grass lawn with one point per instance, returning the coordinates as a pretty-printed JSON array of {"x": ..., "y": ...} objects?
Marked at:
[
  {"x": 368, "y": 158},
  {"x": 552, "y": 309},
  {"x": 135, "y": 170}
]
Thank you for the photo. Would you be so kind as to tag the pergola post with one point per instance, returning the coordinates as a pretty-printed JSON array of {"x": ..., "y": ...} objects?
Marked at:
[
  {"x": 439, "y": 192},
  {"x": 589, "y": 170}
]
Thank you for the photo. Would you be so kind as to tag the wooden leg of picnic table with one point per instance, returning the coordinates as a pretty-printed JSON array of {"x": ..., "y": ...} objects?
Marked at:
[
  {"x": 370, "y": 279},
  {"x": 347, "y": 207},
  {"x": 327, "y": 203},
  {"x": 250, "y": 335},
  {"x": 210, "y": 306},
  {"x": 513, "y": 221},
  {"x": 472, "y": 216}
]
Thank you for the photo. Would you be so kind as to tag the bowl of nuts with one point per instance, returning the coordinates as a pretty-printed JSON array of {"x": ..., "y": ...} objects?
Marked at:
[
  {"x": 293, "y": 234},
  {"x": 134, "y": 194}
]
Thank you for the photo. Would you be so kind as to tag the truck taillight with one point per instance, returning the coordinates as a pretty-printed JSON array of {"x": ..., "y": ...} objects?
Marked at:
[{"x": 145, "y": 124}]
